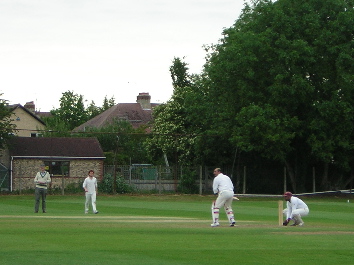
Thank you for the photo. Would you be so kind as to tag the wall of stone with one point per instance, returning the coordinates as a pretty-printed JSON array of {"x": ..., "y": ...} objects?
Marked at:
[{"x": 24, "y": 171}]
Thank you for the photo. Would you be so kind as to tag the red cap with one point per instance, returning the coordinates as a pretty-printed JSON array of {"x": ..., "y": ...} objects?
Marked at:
[{"x": 288, "y": 193}]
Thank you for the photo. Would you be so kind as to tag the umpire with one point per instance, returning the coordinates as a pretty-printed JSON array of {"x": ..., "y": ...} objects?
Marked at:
[{"x": 41, "y": 180}]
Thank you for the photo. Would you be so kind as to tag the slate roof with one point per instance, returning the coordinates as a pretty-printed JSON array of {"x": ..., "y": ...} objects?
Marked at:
[
  {"x": 42, "y": 114},
  {"x": 131, "y": 112},
  {"x": 56, "y": 147}
]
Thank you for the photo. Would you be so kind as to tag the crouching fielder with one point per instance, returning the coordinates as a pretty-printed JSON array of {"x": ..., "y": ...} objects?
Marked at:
[
  {"x": 296, "y": 208},
  {"x": 223, "y": 187}
]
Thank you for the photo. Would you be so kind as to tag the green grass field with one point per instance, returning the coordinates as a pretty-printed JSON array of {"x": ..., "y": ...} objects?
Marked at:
[{"x": 172, "y": 230}]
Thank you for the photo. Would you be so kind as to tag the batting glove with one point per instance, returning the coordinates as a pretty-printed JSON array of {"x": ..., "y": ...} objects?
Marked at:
[{"x": 286, "y": 222}]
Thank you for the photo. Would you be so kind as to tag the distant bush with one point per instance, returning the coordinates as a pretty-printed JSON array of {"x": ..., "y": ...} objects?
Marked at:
[
  {"x": 121, "y": 186},
  {"x": 74, "y": 187},
  {"x": 187, "y": 183}
]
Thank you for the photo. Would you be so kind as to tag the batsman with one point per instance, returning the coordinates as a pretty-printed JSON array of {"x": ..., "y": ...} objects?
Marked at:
[{"x": 223, "y": 187}]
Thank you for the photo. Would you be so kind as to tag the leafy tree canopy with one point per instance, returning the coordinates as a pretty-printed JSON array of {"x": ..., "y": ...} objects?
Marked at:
[
  {"x": 107, "y": 103},
  {"x": 285, "y": 63},
  {"x": 6, "y": 128},
  {"x": 182, "y": 125},
  {"x": 282, "y": 77},
  {"x": 71, "y": 110},
  {"x": 72, "y": 113}
]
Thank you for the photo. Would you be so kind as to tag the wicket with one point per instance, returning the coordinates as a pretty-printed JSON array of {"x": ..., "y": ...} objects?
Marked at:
[{"x": 280, "y": 213}]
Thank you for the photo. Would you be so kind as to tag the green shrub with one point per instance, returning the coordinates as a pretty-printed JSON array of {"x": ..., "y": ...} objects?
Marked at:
[
  {"x": 74, "y": 188},
  {"x": 187, "y": 183},
  {"x": 121, "y": 186}
]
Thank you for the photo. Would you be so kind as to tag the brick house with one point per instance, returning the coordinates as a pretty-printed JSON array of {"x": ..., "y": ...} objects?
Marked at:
[
  {"x": 137, "y": 114},
  {"x": 68, "y": 160},
  {"x": 28, "y": 123}
]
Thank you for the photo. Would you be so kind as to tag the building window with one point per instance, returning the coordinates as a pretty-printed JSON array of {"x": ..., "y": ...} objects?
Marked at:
[
  {"x": 58, "y": 168},
  {"x": 36, "y": 135}
]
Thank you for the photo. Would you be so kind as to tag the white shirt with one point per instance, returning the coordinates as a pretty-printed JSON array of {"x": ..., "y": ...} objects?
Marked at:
[
  {"x": 90, "y": 184},
  {"x": 295, "y": 203},
  {"x": 222, "y": 182}
]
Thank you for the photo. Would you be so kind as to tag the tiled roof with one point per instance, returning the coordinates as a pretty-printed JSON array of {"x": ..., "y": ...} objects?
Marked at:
[
  {"x": 43, "y": 114},
  {"x": 55, "y": 147},
  {"x": 131, "y": 112}
]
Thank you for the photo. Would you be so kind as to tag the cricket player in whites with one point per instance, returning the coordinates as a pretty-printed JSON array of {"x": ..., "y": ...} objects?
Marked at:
[
  {"x": 295, "y": 209},
  {"x": 223, "y": 187},
  {"x": 90, "y": 187}
]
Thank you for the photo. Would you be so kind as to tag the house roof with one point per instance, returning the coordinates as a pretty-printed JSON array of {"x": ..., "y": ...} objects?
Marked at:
[
  {"x": 131, "y": 112},
  {"x": 42, "y": 114},
  {"x": 56, "y": 147},
  {"x": 16, "y": 106}
]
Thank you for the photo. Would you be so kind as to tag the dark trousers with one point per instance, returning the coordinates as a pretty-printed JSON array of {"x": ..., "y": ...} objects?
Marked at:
[{"x": 40, "y": 194}]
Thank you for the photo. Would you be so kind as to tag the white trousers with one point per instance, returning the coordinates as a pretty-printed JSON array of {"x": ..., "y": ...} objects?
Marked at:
[
  {"x": 302, "y": 212},
  {"x": 90, "y": 197},
  {"x": 224, "y": 199}
]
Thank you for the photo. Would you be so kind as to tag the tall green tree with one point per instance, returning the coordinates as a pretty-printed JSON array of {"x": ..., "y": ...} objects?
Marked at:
[
  {"x": 72, "y": 113},
  {"x": 92, "y": 110},
  {"x": 6, "y": 126},
  {"x": 282, "y": 81},
  {"x": 181, "y": 128},
  {"x": 56, "y": 127},
  {"x": 170, "y": 134},
  {"x": 72, "y": 110},
  {"x": 179, "y": 74},
  {"x": 107, "y": 103}
]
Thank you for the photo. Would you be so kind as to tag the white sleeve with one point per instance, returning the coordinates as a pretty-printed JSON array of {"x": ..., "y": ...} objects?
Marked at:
[
  {"x": 294, "y": 205},
  {"x": 84, "y": 184},
  {"x": 289, "y": 213},
  {"x": 215, "y": 186}
]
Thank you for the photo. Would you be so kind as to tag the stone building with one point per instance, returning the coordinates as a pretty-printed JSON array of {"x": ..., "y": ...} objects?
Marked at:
[{"x": 68, "y": 160}]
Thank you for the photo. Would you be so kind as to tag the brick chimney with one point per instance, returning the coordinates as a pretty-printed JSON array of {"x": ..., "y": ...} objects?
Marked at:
[
  {"x": 144, "y": 100},
  {"x": 30, "y": 106}
]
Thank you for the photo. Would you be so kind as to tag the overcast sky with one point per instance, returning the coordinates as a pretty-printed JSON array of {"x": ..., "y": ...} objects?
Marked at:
[{"x": 99, "y": 48}]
